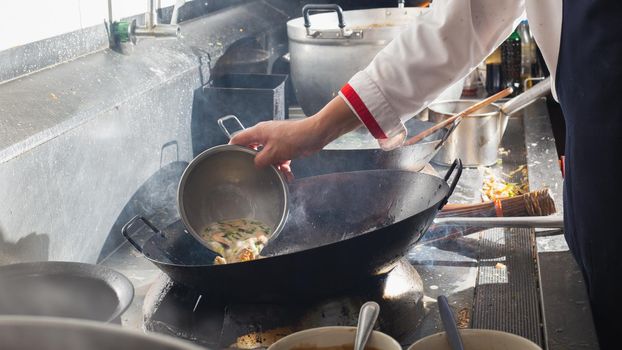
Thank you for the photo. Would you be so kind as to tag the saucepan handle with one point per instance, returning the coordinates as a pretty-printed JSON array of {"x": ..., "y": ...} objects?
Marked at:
[
  {"x": 322, "y": 8},
  {"x": 130, "y": 224},
  {"x": 451, "y": 129},
  {"x": 221, "y": 124},
  {"x": 528, "y": 97},
  {"x": 457, "y": 167}
]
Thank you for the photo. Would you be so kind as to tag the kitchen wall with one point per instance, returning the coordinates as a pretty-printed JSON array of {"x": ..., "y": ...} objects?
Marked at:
[
  {"x": 87, "y": 144},
  {"x": 26, "y": 21},
  {"x": 36, "y": 34},
  {"x": 99, "y": 127}
]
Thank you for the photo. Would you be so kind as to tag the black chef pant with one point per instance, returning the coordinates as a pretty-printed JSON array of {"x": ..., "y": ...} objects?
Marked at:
[{"x": 589, "y": 87}]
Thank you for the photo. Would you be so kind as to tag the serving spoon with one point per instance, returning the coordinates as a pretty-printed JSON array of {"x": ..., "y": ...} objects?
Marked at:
[
  {"x": 453, "y": 335},
  {"x": 367, "y": 319}
]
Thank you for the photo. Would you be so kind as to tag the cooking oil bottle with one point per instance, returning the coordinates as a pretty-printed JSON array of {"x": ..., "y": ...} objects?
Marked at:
[
  {"x": 528, "y": 55},
  {"x": 494, "y": 77},
  {"x": 511, "y": 62}
]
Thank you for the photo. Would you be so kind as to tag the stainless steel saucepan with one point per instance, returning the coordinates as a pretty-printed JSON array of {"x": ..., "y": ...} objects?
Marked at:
[{"x": 476, "y": 140}]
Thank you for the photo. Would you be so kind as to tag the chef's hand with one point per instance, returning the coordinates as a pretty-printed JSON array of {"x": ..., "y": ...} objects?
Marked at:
[{"x": 286, "y": 140}]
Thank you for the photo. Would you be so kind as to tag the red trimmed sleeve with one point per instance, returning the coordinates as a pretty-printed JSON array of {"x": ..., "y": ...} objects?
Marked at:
[{"x": 363, "y": 113}]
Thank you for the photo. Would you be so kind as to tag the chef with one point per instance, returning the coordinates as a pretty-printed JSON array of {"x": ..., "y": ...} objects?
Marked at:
[{"x": 581, "y": 42}]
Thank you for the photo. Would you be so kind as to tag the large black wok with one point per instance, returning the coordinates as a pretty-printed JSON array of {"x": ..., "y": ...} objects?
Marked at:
[
  {"x": 358, "y": 150},
  {"x": 341, "y": 228}
]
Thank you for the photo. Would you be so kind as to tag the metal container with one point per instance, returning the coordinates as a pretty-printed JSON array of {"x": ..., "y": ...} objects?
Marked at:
[
  {"x": 477, "y": 138},
  {"x": 64, "y": 289},
  {"x": 50, "y": 333},
  {"x": 327, "y": 49},
  {"x": 242, "y": 60},
  {"x": 252, "y": 97},
  {"x": 223, "y": 183}
]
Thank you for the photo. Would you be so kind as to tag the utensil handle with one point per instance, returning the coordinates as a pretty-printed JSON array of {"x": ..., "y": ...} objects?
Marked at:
[
  {"x": 457, "y": 164},
  {"x": 132, "y": 222},
  {"x": 528, "y": 97},
  {"x": 221, "y": 124},
  {"x": 323, "y": 8},
  {"x": 488, "y": 222},
  {"x": 448, "y": 133},
  {"x": 453, "y": 335},
  {"x": 476, "y": 106},
  {"x": 367, "y": 320}
]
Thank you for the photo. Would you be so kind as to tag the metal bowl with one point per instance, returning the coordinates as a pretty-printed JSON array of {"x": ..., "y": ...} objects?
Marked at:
[
  {"x": 64, "y": 289},
  {"x": 222, "y": 183},
  {"x": 50, "y": 333}
]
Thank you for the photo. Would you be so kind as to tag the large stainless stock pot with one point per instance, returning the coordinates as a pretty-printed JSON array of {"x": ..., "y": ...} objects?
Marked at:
[{"x": 327, "y": 49}]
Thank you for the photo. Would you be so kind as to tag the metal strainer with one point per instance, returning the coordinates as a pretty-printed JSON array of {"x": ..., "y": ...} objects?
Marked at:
[{"x": 223, "y": 183}]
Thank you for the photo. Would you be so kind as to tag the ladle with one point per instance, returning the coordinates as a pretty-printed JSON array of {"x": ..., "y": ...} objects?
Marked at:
[{"x": 367, "y": 319}]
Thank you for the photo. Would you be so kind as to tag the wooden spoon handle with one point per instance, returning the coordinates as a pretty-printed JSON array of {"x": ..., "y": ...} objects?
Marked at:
[{"x": 475, "y": 107}]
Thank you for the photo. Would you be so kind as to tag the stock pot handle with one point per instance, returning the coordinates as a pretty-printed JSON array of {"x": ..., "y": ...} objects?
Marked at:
[
  {"x": 457, "y": 166},
  {"x": 322, "y": 8},
  {"x": 132, "y": 222}
]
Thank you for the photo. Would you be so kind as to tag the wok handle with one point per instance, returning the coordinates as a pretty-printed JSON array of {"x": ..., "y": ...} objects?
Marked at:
[
  {"x": 455, "y": 166},
  {"x": 132, "y": 222},
  {"x": 323, "y": 8},
  {"x": 221, "y": 124}
]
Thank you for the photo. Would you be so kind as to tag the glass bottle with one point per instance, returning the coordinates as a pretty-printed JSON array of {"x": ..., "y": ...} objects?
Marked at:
[
  {"x": 511, "y": 62},
  {"x": 525, "y": 67},
  {"x": 494, "y": 77}
]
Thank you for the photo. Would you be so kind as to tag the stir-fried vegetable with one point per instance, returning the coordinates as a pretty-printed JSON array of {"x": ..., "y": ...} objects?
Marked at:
[
  {"x": 236, "y": 240},
  {"x": 496, "y": 187}
]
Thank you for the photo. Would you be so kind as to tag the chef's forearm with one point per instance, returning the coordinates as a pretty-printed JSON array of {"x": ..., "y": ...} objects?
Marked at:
[{"x": 334, "y": 120}]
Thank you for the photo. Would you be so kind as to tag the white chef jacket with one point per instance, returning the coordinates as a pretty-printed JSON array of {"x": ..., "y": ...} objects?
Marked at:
[{"x": 441, "y": 47}]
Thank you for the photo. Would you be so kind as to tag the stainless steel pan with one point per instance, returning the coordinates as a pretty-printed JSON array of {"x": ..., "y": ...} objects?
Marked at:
[{"x": 476, "y": 140}]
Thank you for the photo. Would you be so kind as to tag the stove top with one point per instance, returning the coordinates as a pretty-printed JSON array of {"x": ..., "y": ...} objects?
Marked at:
[{"x": 176, "y": 310}]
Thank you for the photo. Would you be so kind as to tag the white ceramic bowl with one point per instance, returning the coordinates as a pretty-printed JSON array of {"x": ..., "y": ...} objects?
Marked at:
[
  {"x": 324, "y": 337},
  {"x": 477, "y": 339}
]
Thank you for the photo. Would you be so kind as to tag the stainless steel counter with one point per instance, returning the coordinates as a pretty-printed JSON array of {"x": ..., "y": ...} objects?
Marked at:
[{"x": 457, "y": 267}]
